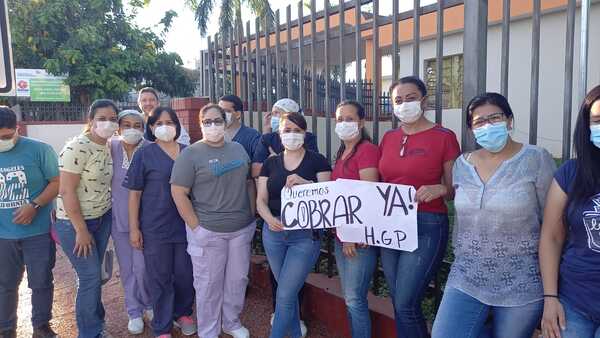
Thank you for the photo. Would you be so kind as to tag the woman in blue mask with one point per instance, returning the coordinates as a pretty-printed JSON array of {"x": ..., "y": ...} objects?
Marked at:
[
  {"x": 500, "y": 191},
  {"x": 570, "y": 240}
]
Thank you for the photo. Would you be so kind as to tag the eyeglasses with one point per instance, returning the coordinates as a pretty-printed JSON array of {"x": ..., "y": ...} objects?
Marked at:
[
  {"x": 217, "y": 122},
  {"x": 482, "y": 121},
  {"x": 404, "y": 141}
]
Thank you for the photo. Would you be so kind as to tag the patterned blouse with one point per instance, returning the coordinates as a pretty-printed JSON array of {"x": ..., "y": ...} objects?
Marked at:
[{"x": 497, "y": 228}]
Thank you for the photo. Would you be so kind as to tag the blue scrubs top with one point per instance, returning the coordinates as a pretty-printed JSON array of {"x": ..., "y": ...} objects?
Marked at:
[
  {"x": 150, "y": 172},
  {"x": 248, "y": 138}
]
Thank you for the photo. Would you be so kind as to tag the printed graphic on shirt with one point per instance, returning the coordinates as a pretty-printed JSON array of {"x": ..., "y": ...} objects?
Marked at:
[
  {"x": 219, "y": 169},
  {"x": 591, "y": 220},
  {"x": 13, "y": 187}
]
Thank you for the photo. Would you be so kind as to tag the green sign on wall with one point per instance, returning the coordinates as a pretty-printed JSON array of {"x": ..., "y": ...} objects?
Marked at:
[{"x": 49, "y": 90}]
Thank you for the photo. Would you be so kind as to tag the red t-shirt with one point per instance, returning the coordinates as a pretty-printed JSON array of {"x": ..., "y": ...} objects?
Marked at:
[
  {"x": 423, "y": 162},
  {"x": 366, "y": 156}
]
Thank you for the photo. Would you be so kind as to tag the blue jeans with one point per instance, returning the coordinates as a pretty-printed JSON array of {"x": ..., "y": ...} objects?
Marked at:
[
  {"x": 408, "y": 273},
  {"x": 38, "y": 255},
  {"x": 356, "y": 274},
  {"x": 292, "y": 255},
  {"x": 462, "y": 316},
  {"x": 88, "y": 304},
  {"x": 579, "y": 325}
]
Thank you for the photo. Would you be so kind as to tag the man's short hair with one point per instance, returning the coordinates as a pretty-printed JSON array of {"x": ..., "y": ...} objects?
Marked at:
[
  {"x": 238, "y": 105},
  {"x": 148, "y": 90},
  {"x": 8, "y": 118}
]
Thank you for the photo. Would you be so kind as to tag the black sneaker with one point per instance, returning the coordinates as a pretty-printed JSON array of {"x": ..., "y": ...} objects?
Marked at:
[
  {"x": 9, "y": 333},
  {"x": 44, "y": 331}
]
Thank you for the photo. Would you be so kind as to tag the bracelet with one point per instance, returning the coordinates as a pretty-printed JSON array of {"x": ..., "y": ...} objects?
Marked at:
[{"x": 550, "y": 296}]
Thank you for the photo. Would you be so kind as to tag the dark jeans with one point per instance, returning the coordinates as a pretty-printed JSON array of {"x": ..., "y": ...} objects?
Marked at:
[
  {"x": 37, "y": 254},
  {"x": 408, "y": 273},
  {"x": 169, "y": 274},
  {"x": 89, "y": 310}
]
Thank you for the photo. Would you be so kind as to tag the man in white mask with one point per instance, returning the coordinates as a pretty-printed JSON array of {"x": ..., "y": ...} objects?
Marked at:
[
  {"x": 148, "y": 101},
  {"x": 235, "y": 130},
  {"x": 28, "y": 184}
]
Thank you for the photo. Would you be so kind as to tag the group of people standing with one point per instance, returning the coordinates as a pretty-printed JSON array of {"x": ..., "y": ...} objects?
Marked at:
[{"x": 526, "y": 236}]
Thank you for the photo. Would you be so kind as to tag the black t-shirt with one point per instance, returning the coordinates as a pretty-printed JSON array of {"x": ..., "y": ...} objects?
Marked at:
[{"x": 273, "y": 168}]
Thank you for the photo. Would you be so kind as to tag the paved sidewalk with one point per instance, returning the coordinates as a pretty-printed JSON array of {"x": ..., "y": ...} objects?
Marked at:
[{"x": 255, "y": 317}]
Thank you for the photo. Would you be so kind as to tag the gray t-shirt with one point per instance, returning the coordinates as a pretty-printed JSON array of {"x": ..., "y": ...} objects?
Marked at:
[{"x": 217, "y": 178}]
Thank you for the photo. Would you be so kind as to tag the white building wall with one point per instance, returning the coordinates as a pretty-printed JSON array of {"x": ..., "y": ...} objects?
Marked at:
[{"x": 56, "y": 135}]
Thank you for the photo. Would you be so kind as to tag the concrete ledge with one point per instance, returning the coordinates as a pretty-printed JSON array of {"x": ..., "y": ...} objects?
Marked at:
[{"x": 323, "y": 301}]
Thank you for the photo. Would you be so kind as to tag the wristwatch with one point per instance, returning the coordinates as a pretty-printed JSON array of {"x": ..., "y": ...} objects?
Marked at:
[{"x": 35, "y": 205}]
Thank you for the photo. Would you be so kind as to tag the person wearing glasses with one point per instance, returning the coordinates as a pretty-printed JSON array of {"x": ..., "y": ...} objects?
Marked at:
[
  {"x": 215, "y": 195},
  {"x": 156, "y": 227},
  {"x": 83, "y": 212},
  {"x": 500, "y": 192},
  {"x": 570, "y": 240},
  {"x": 419, "y": 153}
]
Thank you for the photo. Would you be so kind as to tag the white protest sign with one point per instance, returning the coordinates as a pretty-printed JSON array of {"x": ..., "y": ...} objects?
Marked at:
[{"x": 378, "y": 214}]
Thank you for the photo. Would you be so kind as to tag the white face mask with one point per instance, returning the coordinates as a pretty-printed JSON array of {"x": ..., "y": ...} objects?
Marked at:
[
  {"x": 228, "y": 117},
  {"x": 347, "y": 130},
  {"x": 213, "y": 133},
  {"x": 408, "y": 112},
  {"x": 165, "y": 133},
  {"x": 6, "y": 145},
  {"x": 105, "y": 129},
  {"x": 131, "y": 136},
  {"x": 292, "y": 141}
]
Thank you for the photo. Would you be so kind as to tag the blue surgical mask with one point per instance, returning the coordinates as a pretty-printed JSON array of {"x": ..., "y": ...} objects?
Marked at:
[
  {"x": 274, "y": 123},
  {"x": 492, "y": 137},
  {"x": 595, "y": 135}
]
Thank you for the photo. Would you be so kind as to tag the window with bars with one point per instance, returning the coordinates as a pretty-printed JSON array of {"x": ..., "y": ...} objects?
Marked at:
[{"x": 452, "y": 81}]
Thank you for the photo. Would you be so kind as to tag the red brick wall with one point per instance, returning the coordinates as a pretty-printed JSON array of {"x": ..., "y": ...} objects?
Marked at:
[{"x": 187, "y": 110}]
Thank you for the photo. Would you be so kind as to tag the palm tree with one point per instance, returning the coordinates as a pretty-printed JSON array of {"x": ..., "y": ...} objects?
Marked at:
[{"x": 231, "y": 12}]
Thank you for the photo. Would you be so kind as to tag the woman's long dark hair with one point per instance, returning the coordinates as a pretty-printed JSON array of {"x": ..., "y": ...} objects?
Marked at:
[
  {"x": 364, "y": 135},
  {"x": 587, "y": 177}
]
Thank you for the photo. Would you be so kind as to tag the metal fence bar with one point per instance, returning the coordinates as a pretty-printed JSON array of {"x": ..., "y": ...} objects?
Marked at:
[
  {"x": 210, "y": 82},
  {"x": 327, "y": 85},
  {"x": 232, "y": 56},
  {"x": 240, "y": 61},
  {"x": 375, "y": 72},
  {"x": 568, "y": 90},
  {"x": 342, "y": 64},
  {"x": 395, "y": 47},
  {"x": 505, "y": 48},
  {"x": 244, "y": 79},
  {"x": 277, "y": 56},
  {"x": 224, "y": 63},
  {"x": 301, "y": 53},
  {"x": 268, "y": 68},
  {"x": 201, "y": 79},
  {"x": 313, "y": 67},
  {"x": 475, "y": 55},
  {"x": 288, "y": 46},
  {"x": 258, "y": 70},
  {"x": 249, "y": 76},
  {"x": 584, "y": 43},
  {"x": 416, "y": 36},
  {"x": 357, "y": 41},
  {"x": 535, "y": 72},
  {"x": 439, "y": 63}
]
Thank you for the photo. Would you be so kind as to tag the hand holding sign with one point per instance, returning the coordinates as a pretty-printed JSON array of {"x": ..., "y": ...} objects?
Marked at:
[{"x": 378, "y": 214}]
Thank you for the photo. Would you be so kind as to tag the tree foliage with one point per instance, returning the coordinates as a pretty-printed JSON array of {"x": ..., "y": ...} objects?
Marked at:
[{"x": 97, "y": 44}]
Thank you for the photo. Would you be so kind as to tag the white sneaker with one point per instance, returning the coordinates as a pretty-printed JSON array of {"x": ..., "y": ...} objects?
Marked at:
[
  {"x": 303, "y": 329},
  {"x": 150, "y": 314},
  {"x": 135, "y": 326},
  {"x": 242, "y": 332}
]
